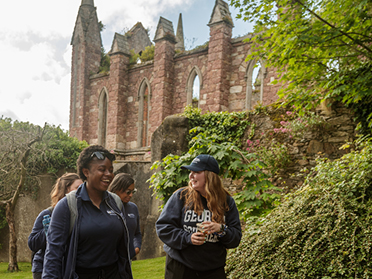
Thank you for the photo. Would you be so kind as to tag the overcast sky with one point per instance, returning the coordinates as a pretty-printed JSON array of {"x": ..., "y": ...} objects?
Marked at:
[{"x": 36, "y": 53}]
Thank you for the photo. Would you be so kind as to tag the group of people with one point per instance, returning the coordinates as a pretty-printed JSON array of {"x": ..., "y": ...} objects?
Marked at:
[{"x": 94, "y": 230}]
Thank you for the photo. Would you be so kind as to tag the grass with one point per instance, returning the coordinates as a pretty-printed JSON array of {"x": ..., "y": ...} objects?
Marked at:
[
  {"x": 24, "y": 273},
  {"x": 143, "y": 269},
  {"x": 149, "y": 269}
]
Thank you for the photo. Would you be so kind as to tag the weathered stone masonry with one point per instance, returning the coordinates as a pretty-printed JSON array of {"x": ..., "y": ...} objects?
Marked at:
[{"x": 122, "y": 109}]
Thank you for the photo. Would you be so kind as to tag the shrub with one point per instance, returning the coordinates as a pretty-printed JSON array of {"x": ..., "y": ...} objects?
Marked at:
[{"x": 323, "y": 230}]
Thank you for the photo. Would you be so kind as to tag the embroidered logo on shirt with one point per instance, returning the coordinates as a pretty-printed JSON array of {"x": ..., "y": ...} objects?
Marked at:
[
  {"x": 131, "y": 215},
  {"x": 111, "y": 212}
]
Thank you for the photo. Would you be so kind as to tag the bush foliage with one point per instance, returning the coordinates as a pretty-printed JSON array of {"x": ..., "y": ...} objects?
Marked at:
[
  {"x": 54, "y": 152},
  {"x": 323, "y": 230}
]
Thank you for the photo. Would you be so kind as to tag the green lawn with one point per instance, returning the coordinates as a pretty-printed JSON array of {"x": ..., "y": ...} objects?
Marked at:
[
  {"x": 25, "y": 272},
  {"x": 143, "y": 269},
  {"x": 149, "y": 269}
]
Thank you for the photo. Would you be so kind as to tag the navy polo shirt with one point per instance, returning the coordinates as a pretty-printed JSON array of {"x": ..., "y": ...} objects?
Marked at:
[{"x": 100, "y": 233}]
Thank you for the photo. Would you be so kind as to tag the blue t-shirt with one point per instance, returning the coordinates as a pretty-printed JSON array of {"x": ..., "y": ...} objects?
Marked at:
[{"x": 100, "y": 233}]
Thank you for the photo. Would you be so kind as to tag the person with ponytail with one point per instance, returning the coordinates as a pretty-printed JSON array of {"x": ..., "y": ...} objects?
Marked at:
[
  {"x": 198, "y": 224},
  {"x": 37, "y": 239}
]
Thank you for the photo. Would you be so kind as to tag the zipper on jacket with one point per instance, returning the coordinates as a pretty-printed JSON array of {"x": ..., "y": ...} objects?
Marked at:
[{"x": 126, "y": 229}]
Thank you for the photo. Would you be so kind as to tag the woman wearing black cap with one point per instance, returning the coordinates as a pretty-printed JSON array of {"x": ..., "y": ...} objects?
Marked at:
[{"x": 192, "y": 252}]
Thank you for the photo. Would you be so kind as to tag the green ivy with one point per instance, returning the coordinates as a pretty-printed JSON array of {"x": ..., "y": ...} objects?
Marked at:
[
  {"x": 258, "y": 195},
  {"x": 223, "y": 126},
  {"x": 323, "y": 230}
]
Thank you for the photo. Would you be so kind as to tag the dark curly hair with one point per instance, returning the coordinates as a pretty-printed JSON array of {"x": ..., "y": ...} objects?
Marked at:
[
  {"x": 86, "y": 156},
  {"x": 121, "y": 182}
]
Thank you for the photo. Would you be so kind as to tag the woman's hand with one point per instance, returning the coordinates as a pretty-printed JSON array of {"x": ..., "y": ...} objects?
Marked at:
[
  {"x": 198, "y": 238},
  {"x": 211, "y": 227}
]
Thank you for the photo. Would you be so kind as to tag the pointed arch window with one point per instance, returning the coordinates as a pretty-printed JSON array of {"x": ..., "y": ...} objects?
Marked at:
[
  {"x": 102, "y": 117},
  {"x": 255, "y": 75},
  {"x": 144, "y": 96},
  {"x": 193, "y": 86}
]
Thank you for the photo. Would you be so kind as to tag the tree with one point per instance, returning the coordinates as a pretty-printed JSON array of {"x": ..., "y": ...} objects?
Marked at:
[
  {"x": 321, "y": 48},
  {"x": 26, "y": 152}
]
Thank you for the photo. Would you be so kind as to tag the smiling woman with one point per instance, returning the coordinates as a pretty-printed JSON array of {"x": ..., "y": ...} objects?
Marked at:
[
  {"x": 198, "y": 224},
  {"x": 98, "y": 246}
]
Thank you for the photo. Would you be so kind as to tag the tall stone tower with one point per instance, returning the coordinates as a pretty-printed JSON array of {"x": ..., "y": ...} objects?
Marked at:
[
  {"x": 219, "y": 57},
  {"x": 86, "y": 55}
]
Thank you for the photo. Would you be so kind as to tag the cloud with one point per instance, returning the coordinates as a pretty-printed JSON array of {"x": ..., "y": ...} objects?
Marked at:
[{"x": 23, "y": 97}]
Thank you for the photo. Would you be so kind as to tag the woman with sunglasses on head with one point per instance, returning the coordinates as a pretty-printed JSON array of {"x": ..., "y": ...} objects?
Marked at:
[
  {"x": 123, "y": 186},
  {"x": 37, "y": 239},
  {"x": 198, "y": 223},
  {"x": 97, "y": 246}
]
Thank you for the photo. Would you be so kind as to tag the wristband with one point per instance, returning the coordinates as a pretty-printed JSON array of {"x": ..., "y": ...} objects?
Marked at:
[{"x": 222, "y": 232}]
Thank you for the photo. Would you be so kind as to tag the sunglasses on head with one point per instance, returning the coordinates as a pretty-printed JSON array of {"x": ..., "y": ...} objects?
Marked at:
[
  {"x": 102, "y": 155},
  {"x": 128, "y": 192}
]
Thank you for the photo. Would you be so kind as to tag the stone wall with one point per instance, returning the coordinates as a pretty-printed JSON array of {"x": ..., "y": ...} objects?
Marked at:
[
  {"x": 26, "y": 211},
  {"x": 319, "y": 141}
]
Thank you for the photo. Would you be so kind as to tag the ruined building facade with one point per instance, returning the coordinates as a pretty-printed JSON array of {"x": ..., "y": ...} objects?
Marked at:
[{"x": 121, "y": 109}]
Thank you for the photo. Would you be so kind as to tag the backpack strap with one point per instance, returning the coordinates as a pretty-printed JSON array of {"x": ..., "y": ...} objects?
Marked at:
[
  {"x": 117, "y": 200},
  {"x": 72, "y": 205}
]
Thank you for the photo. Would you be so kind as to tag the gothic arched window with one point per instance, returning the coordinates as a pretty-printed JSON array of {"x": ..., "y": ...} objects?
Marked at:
[
  {"x": 193, "y": 87},
  {"x": 144, "y": 96},
  {"x": 255, "y": 75}
]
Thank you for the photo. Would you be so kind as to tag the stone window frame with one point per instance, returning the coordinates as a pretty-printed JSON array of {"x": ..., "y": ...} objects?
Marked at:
[
  {"x": 249, "y": 76},
  {"x": 145, "y": 83},
  {"x": 195, "y": 71},
  {"x": 103, "y": 116}
]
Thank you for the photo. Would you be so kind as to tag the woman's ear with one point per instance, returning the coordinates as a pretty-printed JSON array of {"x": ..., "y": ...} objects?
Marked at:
[{"x": 86, "y": 172}]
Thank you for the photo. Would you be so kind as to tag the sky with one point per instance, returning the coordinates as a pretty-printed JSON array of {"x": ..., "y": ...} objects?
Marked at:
[{"x": 35, "y": 36}]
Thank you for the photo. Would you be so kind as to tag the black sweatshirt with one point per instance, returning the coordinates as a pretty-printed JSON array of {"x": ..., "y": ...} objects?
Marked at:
[{"x": 175, "y": 227}]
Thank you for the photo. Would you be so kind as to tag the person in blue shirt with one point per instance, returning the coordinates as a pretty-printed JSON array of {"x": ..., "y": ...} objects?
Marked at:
[
  {"x": 123, "y": 186},
  {"x": 198, "y": 223},
  {"x": 37, "y": 239},
  {"x": 98, "y": 245}
]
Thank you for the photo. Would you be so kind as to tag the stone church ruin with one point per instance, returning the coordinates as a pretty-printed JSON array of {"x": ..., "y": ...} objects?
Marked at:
[
  {"x": 121, "y": 109},
  {"x": 129, "y": 109}
]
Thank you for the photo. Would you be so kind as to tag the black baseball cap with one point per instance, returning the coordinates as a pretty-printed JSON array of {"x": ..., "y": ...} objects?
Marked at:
[{"x": 203, "y": 162}]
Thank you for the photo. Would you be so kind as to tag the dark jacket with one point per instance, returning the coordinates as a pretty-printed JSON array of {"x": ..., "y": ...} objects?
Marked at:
[
  {"x": 133, "y": 224},
  {"x": 37, "y": 241},
  {"x": 61, "y": 252},
  {"x": 175, "y": 227}
]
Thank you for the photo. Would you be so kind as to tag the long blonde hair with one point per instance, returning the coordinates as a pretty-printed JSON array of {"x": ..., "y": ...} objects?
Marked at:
[
  {"x": 216, "y": 197},
  {"x": 60, "y": 188}
]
